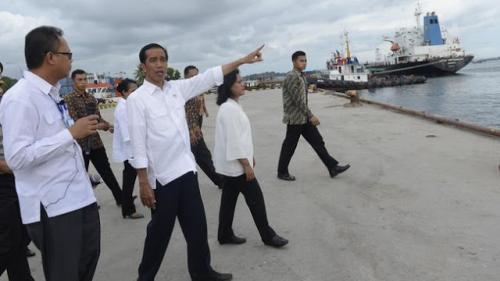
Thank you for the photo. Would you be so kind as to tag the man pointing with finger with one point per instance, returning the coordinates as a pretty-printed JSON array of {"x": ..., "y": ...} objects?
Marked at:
[
  {"x": 161, "y": 147},
  {"x": 55, "y": 195}
]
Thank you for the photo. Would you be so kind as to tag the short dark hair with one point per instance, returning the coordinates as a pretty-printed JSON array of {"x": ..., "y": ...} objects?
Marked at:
[
  {"x": 142, "y": 53},
  {"x": 39, "y": 42},
  {"x": 77, "y": 72},
  {"x": 224, "y": 90},
  {"x": 298, "y": 54},
  {"x": 188, "y": 68},
  {"x": 124, "y": 85}
]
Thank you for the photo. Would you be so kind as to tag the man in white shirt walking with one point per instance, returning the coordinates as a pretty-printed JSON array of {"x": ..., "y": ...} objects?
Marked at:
[
  {"x": 55, "y": 195},
  {"x": 160, "y": 141}
]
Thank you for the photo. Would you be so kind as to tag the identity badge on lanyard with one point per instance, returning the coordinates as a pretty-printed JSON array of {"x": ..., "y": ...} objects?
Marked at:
[{"x": 63, "y": 109}]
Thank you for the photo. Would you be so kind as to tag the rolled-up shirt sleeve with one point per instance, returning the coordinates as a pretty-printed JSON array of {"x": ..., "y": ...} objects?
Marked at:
[
  {"x": 19, "y": 124},
  {"x": 200, "y": 83},
  {"x": 137, "y": 132}
]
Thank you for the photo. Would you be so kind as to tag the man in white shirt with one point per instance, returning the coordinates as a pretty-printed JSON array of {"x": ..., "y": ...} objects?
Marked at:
[
  {"x": 160, "y": 141},
  {"x": 55, "y": 195}
]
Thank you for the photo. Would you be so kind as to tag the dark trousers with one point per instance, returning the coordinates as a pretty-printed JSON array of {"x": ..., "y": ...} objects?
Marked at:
[
  {"x": 129, "y": 176},
  {"x": 100, "y": 161},
  {"x": 13, "y": 235},
  {"x": 203, "y": 158},
  {"x": 312, "y": 136},
  {"x": 255, "y": 202},
  {"x": 180, "y": 198},
  {"x": 70, "y": 243}
]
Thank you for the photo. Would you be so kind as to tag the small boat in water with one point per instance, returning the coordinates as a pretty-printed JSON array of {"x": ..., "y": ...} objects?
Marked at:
[
  {"x": 347, "y": 68},
  {"x": 344, "y": 72}
]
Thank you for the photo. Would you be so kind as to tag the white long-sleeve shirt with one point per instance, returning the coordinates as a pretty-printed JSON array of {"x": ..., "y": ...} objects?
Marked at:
[
  {"x": 233, "y": 139},
  {"x": 158, "y": 128},
  {"x": 47, "y": 162},
  {"x": 122, "y": 149}
]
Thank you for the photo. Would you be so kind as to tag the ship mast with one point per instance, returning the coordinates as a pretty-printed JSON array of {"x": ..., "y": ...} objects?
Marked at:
[
  {"x": 347, "y": 50},
  {"x": 418, "y": 13}
]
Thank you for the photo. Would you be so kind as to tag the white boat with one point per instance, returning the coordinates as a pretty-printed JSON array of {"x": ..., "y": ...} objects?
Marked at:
[{"x": 344, "y": 67}]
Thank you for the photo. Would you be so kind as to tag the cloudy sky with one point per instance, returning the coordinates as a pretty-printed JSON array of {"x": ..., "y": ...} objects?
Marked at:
[{"x": 106, "y": 35}]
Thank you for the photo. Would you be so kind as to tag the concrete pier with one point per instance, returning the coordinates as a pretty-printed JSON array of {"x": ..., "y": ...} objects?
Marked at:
[{"x": 421, "y": 202}]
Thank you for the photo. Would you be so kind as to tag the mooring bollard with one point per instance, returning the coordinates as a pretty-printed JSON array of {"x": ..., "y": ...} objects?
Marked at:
[{"x": 354, "y": 97}]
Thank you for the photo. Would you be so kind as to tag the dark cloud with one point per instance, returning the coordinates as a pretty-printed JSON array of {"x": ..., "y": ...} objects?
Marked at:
[{"x": 106, "y": 36}]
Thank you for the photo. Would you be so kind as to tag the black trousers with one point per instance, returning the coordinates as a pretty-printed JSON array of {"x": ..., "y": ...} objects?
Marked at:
[
  {"x": 100, "y": 161},
  {"x": 129, "y": 176},
  {"x": 13, "y": 235},
  {"x": 70, "y": 244},
  {"x": 180, "y": 199},
  {"x": 203, "y": 158},
  {"x": 312, "y": 136},
  {"x": 233, "y": 186}
]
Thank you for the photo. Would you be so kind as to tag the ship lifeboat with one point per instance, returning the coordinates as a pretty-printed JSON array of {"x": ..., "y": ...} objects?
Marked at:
[{"x": 395, "y": 47}]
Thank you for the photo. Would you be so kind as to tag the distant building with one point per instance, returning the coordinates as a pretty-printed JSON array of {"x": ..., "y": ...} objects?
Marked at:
[
  {"x": 251, "y": 83},
  {"x": 99, "y": 85},
  {"x": 66, "y": 86}
]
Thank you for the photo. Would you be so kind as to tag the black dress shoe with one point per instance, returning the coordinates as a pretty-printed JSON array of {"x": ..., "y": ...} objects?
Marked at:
[
  {"x": 212, "y": 276},
  {"x": 220, "y": 185},
  {"x": 133, "y": 216},
  {"x": 286, "y": 177},
  {"x": 277, "y": 241},
  {"x": 338, "y": 170},
  {"x": 232, "y": 240},
  {"x": 29, "y": 253}
]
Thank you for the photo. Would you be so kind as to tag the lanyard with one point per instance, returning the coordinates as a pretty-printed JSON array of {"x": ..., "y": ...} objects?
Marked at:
[{"x": 63, "y": 109}]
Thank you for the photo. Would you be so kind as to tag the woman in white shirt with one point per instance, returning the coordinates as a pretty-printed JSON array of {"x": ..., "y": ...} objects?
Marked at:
[
  {"x": 122, "y": 150},
  {"x": 233, "y": 154}
]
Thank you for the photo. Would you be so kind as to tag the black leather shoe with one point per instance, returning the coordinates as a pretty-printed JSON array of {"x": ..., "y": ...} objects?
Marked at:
[
  {"x": 338, "y": 170},
  {"x": 220, "y": 185},
  {"x": 277, "y": 241},
  {"x": 133, "y": 216},
  {"x": 212, "y": 276},
  {"x": 232, "y": 240},
  {"x": 29, "y": 253},
  {"x": 286, "y": 177}
]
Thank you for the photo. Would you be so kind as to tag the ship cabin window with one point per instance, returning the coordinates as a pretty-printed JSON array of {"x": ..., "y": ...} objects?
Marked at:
[
  {"x": 340, "y": 69},
  {"x": 352, "y": 68},
  {"x": 359, "y": 77}
]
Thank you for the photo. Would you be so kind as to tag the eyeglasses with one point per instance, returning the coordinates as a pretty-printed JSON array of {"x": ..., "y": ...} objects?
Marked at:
[{"x": 68, "y": 54}]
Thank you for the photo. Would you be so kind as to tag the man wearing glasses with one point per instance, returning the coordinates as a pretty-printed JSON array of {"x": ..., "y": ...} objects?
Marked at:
[{"x": 55, "y": 195}]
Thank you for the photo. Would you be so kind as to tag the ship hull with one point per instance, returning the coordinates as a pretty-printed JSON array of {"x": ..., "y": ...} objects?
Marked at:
[{"x": 438, "y": 67}]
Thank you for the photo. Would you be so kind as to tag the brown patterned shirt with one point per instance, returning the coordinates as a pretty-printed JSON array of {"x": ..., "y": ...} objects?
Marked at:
[
  {"x": 78, "y": 104},
  {"x": 295, "y": 105},
  {"x": 194, "y": 113}
]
